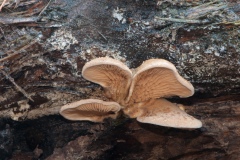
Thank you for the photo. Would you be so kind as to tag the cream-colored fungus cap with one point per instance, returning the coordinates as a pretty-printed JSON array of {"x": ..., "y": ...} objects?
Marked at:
[
  {"x": 157, "y": 78},
  {"x": 90, "y": 109},
  {"x": 165, "y": 113},
  {"x": 111, "y": 74}
]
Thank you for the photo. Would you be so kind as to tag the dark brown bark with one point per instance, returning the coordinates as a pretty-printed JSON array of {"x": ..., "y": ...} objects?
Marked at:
[{"x": 41, "y": 66}]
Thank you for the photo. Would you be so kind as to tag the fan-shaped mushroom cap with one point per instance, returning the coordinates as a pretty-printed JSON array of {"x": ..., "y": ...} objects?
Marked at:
[
  {"x": 90, "y": 109},
  {"x": 157, "y": 78},
  {"x": 111, "y": 74},
  {"x": 165, "y": 113}
]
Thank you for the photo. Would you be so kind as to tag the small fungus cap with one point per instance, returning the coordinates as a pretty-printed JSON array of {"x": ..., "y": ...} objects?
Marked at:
[
  {"x": 114, "y": 76},
  {"x": 165, "y": 113},
  {"x": 90, "y": 109},
  {"x": 157, "y": 78}
]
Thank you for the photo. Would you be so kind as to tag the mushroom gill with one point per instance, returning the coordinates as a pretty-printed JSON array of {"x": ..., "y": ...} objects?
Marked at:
[
  {"x": 138, "y": 93},
  {"x": 164, "y": 113},
  {"x": 111, "y": 74},
  {"x": 157, "y": 78},
  {"x": 90, "y": 109}
]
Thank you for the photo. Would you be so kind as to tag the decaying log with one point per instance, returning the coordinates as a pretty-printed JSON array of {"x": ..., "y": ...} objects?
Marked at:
[
  {"x": 201, "y": 38},
  {"x": 125, "y": 138}
]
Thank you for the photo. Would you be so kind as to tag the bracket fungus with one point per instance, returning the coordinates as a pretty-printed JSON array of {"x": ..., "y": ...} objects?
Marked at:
[
  {"x": 164, "y": 113},
  {"x": 111, "y": 74},
  {"x": 158, "y": 78},
  {"x": 139, "y": 93},
  {"x": 90, "y": 109}
]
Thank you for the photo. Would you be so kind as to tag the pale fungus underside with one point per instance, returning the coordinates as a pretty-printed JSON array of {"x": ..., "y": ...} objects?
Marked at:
[
  {"x": 165, "y": 113},
  {"x": 139, "y": 94},
  {"x": 90, "y": 109},
  {"x": 111, "y": 74}
]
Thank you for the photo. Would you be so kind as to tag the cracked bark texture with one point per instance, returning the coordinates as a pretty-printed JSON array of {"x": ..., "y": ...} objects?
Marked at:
[{"x": 45, "y": 59}]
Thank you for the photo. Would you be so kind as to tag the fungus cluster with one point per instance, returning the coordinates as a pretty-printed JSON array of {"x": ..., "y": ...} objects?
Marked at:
[{"x": 138, "y": 92}]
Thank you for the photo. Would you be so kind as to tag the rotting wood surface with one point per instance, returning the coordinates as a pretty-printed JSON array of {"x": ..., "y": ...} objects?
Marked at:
[
  {"x": 123, "y": 138},
  {"x": 42, "y": 60}
]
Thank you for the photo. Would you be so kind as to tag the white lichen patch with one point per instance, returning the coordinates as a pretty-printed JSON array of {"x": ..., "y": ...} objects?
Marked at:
[
  {"x": 174, "y": 2},
  {"x": 118, "y": 14},
  {"x": 2, "y": 98},
  {"x": 19, "y": 112},
  {"x": 16, "y": 116},
  {"x": 96, "y": 52},
  {"x": 70, "y": 60},
  {"x": 216, "y": 50},
  {"x": 24, "y": 106},
  {"x": 61, "y": 39}
]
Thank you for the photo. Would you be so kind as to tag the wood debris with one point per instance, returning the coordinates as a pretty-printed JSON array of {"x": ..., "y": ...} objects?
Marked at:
[
  {"x": 15, "y": 20},
  {"x": 20, "y": 89},
  {"x": 3, "y": 3},
  {"x": 23, "y": 12}
]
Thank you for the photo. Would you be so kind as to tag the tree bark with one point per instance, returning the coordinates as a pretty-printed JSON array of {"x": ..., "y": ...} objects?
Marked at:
[{"x": 41, "y": 62}]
